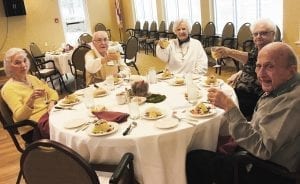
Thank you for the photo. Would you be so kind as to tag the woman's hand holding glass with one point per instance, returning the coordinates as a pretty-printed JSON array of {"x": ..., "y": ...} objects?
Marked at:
[{"x": 163, "y": 43}]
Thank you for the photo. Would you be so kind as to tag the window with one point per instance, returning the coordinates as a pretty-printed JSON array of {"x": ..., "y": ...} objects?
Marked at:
[
  {"x": 74, "y": 19},
  {"x": 187, "y": 9},
  {"x": 145, "y": 10},
  {"x": 241, "y": 11}
]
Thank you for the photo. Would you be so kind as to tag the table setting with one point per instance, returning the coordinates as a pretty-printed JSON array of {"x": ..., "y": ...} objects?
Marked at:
[{"x": 147, "y": 118}]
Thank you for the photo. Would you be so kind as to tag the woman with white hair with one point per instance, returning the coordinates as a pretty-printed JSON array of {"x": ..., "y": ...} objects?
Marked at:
[
  {"x": 183, "y": 54},
  {"x": 26, "y": 95}
]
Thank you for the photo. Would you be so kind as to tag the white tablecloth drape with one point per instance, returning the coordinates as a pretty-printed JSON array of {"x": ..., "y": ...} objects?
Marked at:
[
  {"x": 159, "y": 154},
  {"x": 60, "y": 60}
]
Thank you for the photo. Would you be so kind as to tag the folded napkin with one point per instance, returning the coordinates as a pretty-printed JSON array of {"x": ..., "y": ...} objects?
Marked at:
[{"x": 118, "y": 117}]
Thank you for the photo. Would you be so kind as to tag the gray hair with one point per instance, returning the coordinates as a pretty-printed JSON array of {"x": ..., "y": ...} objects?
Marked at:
[
  {"x": 267, "y": 22},
  {"x": 8, "y": 57},
  {"x": 178, "y": 22}
]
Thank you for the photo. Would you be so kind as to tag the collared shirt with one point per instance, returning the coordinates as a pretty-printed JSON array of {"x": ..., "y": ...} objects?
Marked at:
[{"x": 274, "y": 132}]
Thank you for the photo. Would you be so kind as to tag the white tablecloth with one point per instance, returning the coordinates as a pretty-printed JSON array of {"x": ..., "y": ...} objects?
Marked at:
[
  {"x": 60, "y": 60},
  {"x": 159, "y": 154}
]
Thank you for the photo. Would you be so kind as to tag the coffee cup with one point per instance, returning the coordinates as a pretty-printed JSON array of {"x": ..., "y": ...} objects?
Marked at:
[{"x": 121, "y": 98}]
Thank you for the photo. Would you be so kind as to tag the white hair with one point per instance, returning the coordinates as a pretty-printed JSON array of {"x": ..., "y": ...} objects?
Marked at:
[{"x": 9, "y": 55}]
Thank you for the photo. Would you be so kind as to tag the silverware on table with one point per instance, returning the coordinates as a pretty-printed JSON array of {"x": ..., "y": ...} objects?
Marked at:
[
  {"x": 64, "y": 108},
  {"x": 129, "y": 128},
  {"x": 187, "y": 120}
]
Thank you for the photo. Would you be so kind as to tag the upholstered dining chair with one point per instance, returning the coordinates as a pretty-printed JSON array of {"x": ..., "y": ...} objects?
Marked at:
[
  {"x": 85, "y": 38},
  {"x": 245, "y": 162},
  {"x": 278, "y": 35},
  {"x": 77, "y": 65},
  {"x": 102, "y": 27},
  {"x": 37, "y": 53},
  {"x": 225, "y": 40},
  {"x": 48, "y": 162},
  {"x": 208, "y": 35},
  {"x": 130, "y": 55},
  {"x": 170, "y": 33},
  {"x": 244, "y": 41},
  {"x": 162, "y": 29},
  {"x": 142, "y": 36},
  {"x": 47, "y": 74},
  {"x": 6, "y": 119},
  {"x": 134, "y": 31},
  {"x": 151, "y": 38},
  {"x": 196, "y": 31}
]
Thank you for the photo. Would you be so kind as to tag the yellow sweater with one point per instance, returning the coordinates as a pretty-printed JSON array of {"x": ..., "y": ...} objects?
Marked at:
[{"x": 16, "y": 94}]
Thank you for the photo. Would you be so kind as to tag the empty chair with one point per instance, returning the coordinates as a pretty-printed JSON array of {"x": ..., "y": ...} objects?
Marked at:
[
  {"x": 208, "y": 36},
  {"x": 37, "y": 52},
  {"x": 136, "y": 30},
  {"x": 77, "y": 65},
  {"x": 85, "y": 38},
  {"x": 277, "y": 35},
  {"x": 143, "y": 35},
  {"x": 170, "y": 33},
  {"x": 226, "y": 40},
  {"x": 196, "y": 31},
  {"x": 102, "y": 27},
  {"x": 46, "y": 161},
  {"x": 48, "y": 74},
  {"x": 244, "y": 41},
  {"x": 162, "y": 30},
  {"x": 151, "y": 38},
  {"x": 130, "y": 55}
]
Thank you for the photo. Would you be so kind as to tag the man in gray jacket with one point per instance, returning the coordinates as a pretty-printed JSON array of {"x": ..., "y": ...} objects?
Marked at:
[{"x": 274, "y": 132}]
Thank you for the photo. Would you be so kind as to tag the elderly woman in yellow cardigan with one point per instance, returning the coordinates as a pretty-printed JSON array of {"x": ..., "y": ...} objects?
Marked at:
[{"x": 26, "y": 95}]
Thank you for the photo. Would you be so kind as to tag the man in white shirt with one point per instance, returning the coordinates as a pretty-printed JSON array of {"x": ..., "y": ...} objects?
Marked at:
[{"x": 100, "y": 62}]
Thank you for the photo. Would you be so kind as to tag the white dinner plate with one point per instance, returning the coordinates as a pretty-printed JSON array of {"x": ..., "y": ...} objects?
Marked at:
[
  {"x": 216, "y": 84},
  {"x": 114, "y": 125},
  {"x": 101, "y": 95},
  {"x": 139, "y": 99},
  {"x": 173, "y": 83},
  {"x": 210, "y": 113},
  {"x": 160, "y": 76},
  {"x": 120, "y": 80},
  {"x": 61, "y": 103},
  {"x": 166, "y": 123},
  {"x": 157, "y": 117},
  {"x": 74, "y": 123}
]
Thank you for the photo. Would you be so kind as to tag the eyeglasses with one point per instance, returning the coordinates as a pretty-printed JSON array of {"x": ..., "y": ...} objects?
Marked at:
[
  {"x": 100, "y": 40},
  {"x": 262, "y": 33}
]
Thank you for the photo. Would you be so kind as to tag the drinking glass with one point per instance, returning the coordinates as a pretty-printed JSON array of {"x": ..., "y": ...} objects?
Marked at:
[
  {"x": 152, "y": 75},
  {"x": 110, "y": 82},
  {"x": 215, "y": 56},
  {"x": 134, "y": 110}
]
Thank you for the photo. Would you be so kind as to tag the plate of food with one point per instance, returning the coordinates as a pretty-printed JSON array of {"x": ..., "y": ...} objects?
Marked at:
[
  {"x": 99, "y": 92},
  {"x": 117, "y": 80},
  {"x": 103, "y": 127},
  {"x": 139, "y": 99},
  {"x": 74, "y": 123},
  {"x": 166, "y": 74},
  {"x": 153, "y": 113},
  {"x": 177, "y": 81},
  {"x": 166, "y": 123},
  {"x": 211, "y": 81},
  {"x": 69, "y": 100},
  {"x": 201, "y": 110}
]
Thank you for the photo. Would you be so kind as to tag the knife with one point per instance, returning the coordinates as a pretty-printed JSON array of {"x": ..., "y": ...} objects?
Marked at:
[{"x": 63, "y": 108}]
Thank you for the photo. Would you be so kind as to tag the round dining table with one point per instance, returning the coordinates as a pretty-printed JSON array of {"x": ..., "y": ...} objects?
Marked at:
[{"x": 159, "y": 145}]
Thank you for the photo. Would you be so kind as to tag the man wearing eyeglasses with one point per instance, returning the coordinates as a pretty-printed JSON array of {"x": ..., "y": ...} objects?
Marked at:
[
  {"x": 245, "y": 83},
  {"x": 273, "y": 135},
  {"x": 101, "y": 61}
]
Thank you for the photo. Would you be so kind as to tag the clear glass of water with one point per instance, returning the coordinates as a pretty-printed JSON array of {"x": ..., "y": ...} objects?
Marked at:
[{"x": 134, "y": 110}]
